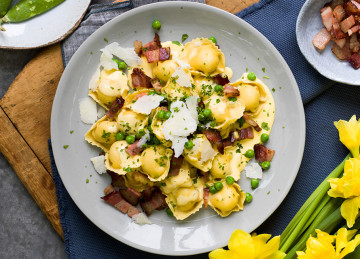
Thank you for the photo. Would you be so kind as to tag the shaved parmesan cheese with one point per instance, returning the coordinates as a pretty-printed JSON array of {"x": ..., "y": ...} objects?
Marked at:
[
  {"x": 181, "y": 63},
  {"x": 178, "y": 144},
  {"x": 107, "y": 62},
  {"x": 93, "y": 84},
  {"x": 144, "y": 139},
  {"x": 253, "y": 170},
  {"x": 180, "y": 124},
  {"x": 99, "y": 164},
  {"x": 146, "y": 103},
  {"x": 207, "y": 152},
  {"x": 128, "y": 55},
  {"x": 181, "y": 77},
  {"x": 192, "y": 104},
  {"x": 141, "y": 219},
  {"x": 100, "y": 112},
  {"x": 88, "y": 112}
]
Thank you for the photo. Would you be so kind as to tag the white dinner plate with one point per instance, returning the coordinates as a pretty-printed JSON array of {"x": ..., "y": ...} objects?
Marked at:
[
  {"x": 308, "y": 24},
  {"x": 45, "y": 29},
  {"x": 244, "y": 48}
]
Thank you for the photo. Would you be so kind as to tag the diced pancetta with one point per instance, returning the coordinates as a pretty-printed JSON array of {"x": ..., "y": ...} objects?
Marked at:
[{"x": 321, "y": 39}]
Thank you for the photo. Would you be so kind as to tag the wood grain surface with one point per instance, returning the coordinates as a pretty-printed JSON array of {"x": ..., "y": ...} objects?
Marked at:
[{"x": 25, "y": 120}]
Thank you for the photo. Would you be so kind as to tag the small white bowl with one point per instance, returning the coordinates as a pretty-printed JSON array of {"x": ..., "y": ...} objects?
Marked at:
[{"x": 308, "y": 24}]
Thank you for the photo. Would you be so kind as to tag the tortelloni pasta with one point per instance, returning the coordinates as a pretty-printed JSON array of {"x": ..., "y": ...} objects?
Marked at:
[
  {"x": 163, "y": 70},
  {"x": 137, "y": 181},
  {"x": 155, "y": 162},
  {"x": 111, "y": 84},
  {"x": 102, "y": 133},
  {"x": 173, "y": 91},
  {"x": 130, "y": 122},
  {"x": 204, "y": 56},
  {"x": 185, "y": 201},
  {"x": 119, "y": 161},
  {"x": 229, "y": 199},
  {"x": 228, "y": 164}
]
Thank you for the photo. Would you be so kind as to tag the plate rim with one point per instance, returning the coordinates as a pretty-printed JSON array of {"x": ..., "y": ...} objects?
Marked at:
[{"x": 275, "y": 52}]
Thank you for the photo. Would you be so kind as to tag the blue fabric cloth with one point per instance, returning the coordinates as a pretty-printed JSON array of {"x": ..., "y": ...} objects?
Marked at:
[{"x": 324, "y": 102}]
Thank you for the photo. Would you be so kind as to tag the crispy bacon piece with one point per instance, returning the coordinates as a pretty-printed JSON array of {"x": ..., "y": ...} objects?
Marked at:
[
  {"x": 130, "y": 195},
  {"x": 352, "y": 7},
  {"x": 226, "y": 142},
  {"x": 156, "y": 84},
  {"x": 230, "y": 91},
  {"x": 138, "y": 47},
  {"x": 133, "y": 149},
  {"x": 321, "y": 39},
  {"x": 115, "y": 107},
  {"x": 263, "y": 153},
  {"x": 206, "y": 196},
  {"x": 156, "y": 202},
  {"x": 115, "y": 199},
  {"x": 339, "y": 13},
  {"x": 354, "y": 60},
  {"x": 204, "y": 175},
  {"x": 340, "y": 42},
  {"x": 353, "y": 29},
  {"x": 342, "y": 53},
  {"x": 152, "y": 45},
  {"x": 337, "y": 32},
  {"x": 116, "y": 179},
  {"x": 347, "y": 23},
  {"x": 139, "y": 79},
  {"x": 245, "y": 133},
  {"x": 109, "y": 189},
  {"x": 327, "y": 17},
  {"x": 146, "y": 194},
  {"x": 175, "y": 165},
  {"x": 221, "y": 79},
  {"x": 334, "y": 3},
  {"x": 251, "y": 122},
  {"x": 156, "y": 55},
  {"x": 214, "y": 137},
  {"x": 354, "y": 43}
]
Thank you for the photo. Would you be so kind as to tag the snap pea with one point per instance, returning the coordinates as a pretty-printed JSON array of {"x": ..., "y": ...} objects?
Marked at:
[
  {"x": 26, "y": 9},
  {"x": 4, "y": 6}
]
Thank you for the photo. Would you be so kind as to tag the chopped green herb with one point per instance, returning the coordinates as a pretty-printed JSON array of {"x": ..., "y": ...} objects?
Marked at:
[
  {"x": 266, "y": 77},
  {"x": 176, "y": 42},
  {"x": 71, "y": 131},
  {"x": 87, "y": 180},
  {"x": 65, "y": 146},
  {"x": 263, "y": 69},
  {"x": 265, "y": 126},
  {"x": 106, "y": 40},
  {"x": 184, "y": 37},
  {"x": 273, "y": 90}
]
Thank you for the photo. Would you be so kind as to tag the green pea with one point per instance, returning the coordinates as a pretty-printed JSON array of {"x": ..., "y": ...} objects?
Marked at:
[
  {"x": 27, "y": 9},
  {"x": 140, "y": 133},
  {"x": 4, "y": 7},
  {"x": 254, "y": 183},
  {"x": 251, "y": 76},
  {"x": 250, "y": 153},
  {"x": 229, "y": 180},
  {"x": 161, "y": 114},
  {"x": 218, "y": 186},
  {"x": 119, "y": 136},
  {"x": 264, "y": 137},
  {"x": 212, "y": 189},
  {"x": 130, "y": 139},
  {"x": 201, "y": 117},
  {"x": 156, "y": 25},
  {"x": 233, "y": 99},
  {"x": 219, "y": 89},
  {"x": 213, "y": 40},
  {"x": 189, "y": 144},
  {"x": 248, "y": 197},
  {"x": 207, "y": 113},
  {"x": 169, "y": 212},
  {"x": 121, "y": 64},
  {"x": 167, "y": 115},
  {"x": 265, "y": 165}
]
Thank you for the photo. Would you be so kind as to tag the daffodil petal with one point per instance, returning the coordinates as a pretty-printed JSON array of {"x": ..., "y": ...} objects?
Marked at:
[
  {"x": 241, "y": 243},
  {"x": 260, "y": 241},
  {"x": 350, "y": 247},
  {"x": 341, "y": 239},
  {"x": 349, "y": 134},
  {"x": 349, "y": 210},
  {"x": 222, "y": 254},
  {"x": 270, "y": 248}
]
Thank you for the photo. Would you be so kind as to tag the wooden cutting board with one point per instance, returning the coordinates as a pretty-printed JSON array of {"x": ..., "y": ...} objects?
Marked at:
[{"x": 25, "y": 120}]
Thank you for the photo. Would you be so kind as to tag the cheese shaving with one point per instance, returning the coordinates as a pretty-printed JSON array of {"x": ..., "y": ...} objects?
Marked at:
[
  {"x": 88, "y": 111},
  {"x": 144, "y": 139},
  {"x": 94, "y": 82},
  {"x": 192, "y": 104},
  {"x": 181, "y": 77},
  {"x": 141, "y": 219},
  {"x": 106, "y": 61},
  {"x": 128, "y": 55},
  {"x": 146, "y": 103},
  {"x": 253, "y": 170},
  {"x": 181, "y": 63},
  {"x": 178, "y": 144},
  {"x": 207, "y": 151},
  {"x": 100, "y": 112},
  {"x": 99, "y": 164}
]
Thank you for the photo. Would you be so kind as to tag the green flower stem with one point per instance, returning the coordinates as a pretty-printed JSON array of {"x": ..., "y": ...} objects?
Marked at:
[
  {"x": 1, "y": 28},
  {"x": 297, "y": 225},
  {"x": 327, "y": 220}
]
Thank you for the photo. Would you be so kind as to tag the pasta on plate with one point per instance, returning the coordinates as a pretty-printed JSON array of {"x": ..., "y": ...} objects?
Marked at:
[{"x": 177, "y": 133}]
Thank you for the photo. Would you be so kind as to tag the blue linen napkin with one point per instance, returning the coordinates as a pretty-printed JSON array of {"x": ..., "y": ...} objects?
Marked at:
[{"x": 324, "y": 103}]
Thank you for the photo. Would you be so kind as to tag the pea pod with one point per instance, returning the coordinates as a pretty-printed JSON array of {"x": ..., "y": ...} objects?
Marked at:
[
  {"x": 4, "y": 6},
  {"x": 26, "y": 9}
]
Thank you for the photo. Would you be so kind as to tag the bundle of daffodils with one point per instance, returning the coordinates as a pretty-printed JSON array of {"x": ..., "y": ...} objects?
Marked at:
[{"x": 325, "y": 227}]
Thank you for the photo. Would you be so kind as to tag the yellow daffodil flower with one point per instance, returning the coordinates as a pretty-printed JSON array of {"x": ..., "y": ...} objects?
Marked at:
[
  {"x": 246, "y": 246},
  {"x": 348, "y": 187},
  {"x": 349, "y": 133},
  {"x": 322, "y": 246}
]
